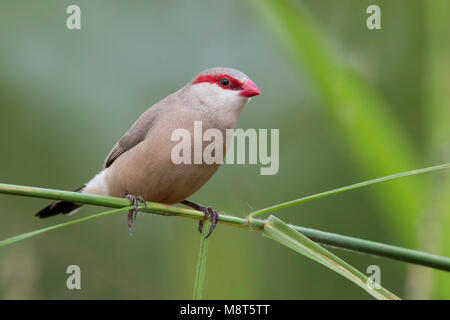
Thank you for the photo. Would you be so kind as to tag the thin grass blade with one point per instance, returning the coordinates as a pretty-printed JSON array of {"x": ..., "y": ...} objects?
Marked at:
[
  {"x": 347, "y": 188},
  {"x": 279, "y": 231},
  {"x": 201, "y": 264},
  {"x": 65, "y": 224}
]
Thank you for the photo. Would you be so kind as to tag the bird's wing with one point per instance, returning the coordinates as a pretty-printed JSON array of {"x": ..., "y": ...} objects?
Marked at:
[{"x": 134, "y": 135}]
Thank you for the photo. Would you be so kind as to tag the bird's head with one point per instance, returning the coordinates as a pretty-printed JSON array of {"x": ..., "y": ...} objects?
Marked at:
[{"x": 224, "y": 88}]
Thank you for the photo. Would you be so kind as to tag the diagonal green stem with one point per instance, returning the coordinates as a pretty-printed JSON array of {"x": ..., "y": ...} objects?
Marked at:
[
  {"x": 36, "y": 232},
  {"x": 281, "y": 232},
  {"x": 331, "y": 239},
  {"x": 346, "y": 188},
  {"x": 359, "y": 114}
]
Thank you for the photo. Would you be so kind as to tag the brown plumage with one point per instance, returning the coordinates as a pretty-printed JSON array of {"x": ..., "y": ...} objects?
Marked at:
[{"x": 140, "y": 162}]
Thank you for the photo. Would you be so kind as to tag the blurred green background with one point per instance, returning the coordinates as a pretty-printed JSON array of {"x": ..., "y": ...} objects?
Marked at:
[{"x": 351, "y": 104}]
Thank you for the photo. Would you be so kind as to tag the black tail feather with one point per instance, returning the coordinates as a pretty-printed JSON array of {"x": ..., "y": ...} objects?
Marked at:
[{"x": 59, "y": 206}]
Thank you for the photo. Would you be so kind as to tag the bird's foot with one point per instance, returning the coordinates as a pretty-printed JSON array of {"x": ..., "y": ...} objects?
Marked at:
[
  {"x": 135, "y": 202},
  {"x": 210, "y": 213}
]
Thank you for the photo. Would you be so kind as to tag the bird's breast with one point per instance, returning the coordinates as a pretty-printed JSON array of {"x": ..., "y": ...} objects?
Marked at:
[{"x": 150, "y": 170}]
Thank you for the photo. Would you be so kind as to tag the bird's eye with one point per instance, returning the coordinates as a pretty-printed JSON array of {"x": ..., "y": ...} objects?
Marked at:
[{"x": 224, "y": 82}]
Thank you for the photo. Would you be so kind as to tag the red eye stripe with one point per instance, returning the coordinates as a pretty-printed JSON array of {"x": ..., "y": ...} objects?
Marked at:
[{"x": 235, "y": 84}]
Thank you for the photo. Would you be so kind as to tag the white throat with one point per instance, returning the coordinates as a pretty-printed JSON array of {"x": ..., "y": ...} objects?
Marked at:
[{"x": 224, "y": 106}]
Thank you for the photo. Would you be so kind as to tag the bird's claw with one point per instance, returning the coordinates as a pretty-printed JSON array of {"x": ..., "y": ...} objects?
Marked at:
[
  {"x": 212, "y": 214},
  {"x": 135, "y": 202}
]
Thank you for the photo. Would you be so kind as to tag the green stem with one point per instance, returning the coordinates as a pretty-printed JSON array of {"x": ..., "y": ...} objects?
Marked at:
[
  {"x": 376, "y": 248},
  {"x": 330, "y": 239},
  {"x": 36, "y": 232},
  {"x": 346, "y": 188},
  {"x": 201, "y": 264}
]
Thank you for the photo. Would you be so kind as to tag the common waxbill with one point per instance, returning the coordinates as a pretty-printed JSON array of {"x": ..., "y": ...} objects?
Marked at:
[{"x": 139, "y": 167}]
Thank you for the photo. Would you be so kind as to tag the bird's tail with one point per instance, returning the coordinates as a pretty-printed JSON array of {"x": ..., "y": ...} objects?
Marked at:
[{"x": 59, "y": 206}]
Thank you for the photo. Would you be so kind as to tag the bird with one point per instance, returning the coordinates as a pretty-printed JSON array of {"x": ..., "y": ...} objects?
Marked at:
[{"x": 140, "y": 168}]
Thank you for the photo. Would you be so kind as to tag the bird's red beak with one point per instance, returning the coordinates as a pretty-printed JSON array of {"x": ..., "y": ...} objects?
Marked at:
[{"x": 249, "y": 89}]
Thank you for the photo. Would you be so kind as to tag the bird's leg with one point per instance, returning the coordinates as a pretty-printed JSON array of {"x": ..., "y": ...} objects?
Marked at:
[
  {"x": 135, "y": 202},
  {"x": 210, "y": 213}
]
